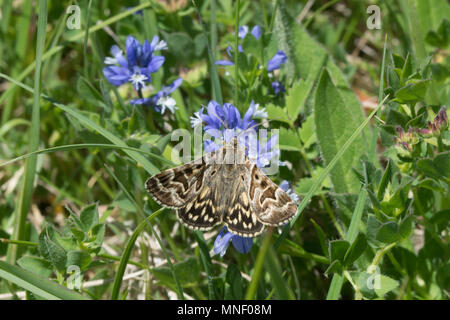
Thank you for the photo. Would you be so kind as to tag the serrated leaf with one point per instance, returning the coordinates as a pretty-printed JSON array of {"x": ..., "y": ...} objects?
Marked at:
[
  {"x": 308, "y": 132},
  {"x": 296, "y": 97},
  {"x": 277, "y": 113},
  {"x": 288, "y": 140}
]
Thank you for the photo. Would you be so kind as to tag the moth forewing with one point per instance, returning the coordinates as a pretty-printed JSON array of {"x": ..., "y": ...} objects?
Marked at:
[{"x": 226, "y": 186}]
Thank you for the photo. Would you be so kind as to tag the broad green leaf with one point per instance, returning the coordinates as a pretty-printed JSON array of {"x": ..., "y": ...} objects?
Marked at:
[
  {"x": 36, "y": 265},
  {"x": 335, "y": 123}
]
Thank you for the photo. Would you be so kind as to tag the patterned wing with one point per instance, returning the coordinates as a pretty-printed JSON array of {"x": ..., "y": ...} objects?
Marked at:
[
  {"x": 175, "y": 187},
  {"x": 272, "y": 205},
  {"x": 201, "y": 213},
  {"x": 241, "y": 218}
]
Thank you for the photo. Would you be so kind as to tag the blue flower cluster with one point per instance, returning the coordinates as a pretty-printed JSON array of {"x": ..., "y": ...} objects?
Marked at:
[
  {"x": 223, "y": 123},
  {"x": 136, "y": 67}
]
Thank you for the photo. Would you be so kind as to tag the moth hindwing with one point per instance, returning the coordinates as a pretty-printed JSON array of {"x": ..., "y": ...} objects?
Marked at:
[{"x": 214, "y": 190}]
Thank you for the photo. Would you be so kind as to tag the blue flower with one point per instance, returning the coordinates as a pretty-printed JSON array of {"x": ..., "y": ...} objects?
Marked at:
[
  {"x": 242, "y": 244},
  {"x": 138, "y": 64},
  {"x": 161, "y": 100},
  {"x": 278, "y": 87},
  {"x": 243, "y": 31},
  {"x": 284, "y": 185},
  {"x": 278, "y": 59}
]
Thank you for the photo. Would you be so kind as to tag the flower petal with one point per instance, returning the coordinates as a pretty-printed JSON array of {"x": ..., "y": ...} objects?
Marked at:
[{"x": 278, "y": 59}]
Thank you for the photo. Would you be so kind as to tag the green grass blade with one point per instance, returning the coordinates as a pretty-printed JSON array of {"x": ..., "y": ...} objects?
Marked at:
[
  {"x": 273, "y": 267},
  {"x": 36, "y": 284},
  {"x": 147, "y": 165},
  {"x": 127, "y": 253},
  {"x": 338, "y": 280},
  {"x": 251, "y": 290},
  {"x": 139, "y": 210},
  {"x": 84, "y": 146},
  {"x": 325, "y": 173},
  {"x": 26, "y": 191}
]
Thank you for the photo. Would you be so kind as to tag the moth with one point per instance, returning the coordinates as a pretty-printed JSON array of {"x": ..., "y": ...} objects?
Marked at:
[{"x": 223, "y": 186}]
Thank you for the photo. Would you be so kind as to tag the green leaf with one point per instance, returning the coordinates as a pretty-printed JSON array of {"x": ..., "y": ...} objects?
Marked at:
[
  {"x": 322, "y": 237},
  {"x": 234, "y": 279},
  {"x": 334, "y": 267},
  {"x": 387, "y": 176},
  {"x": 181, "y": 45},
  {"x": 277, "y": 113},
  {"x": 308, "y": 132},
  {"x": 52, "y": 251},
  {"x": 78, "y": 258},
  {"x": 356, "y": 250},
  {"x": 36, "y": 265},
  {"x": 406, "y": 226},
  {"x": 36, "y": 284},
  {"x": 187, "y": 271},
  {"x": 288, "y": 140},
  {"x": 437, "y": 168},
  {"x": 296, "y": 97},
  {"x": 337, "y": 249},
  {"x": 89, "y": 217},
  {"x": 388, "y": 232},
  {"x": 335, "y": 123},
  {"x": 413, "y": 92},
  {"x": 384, "y": 285}
]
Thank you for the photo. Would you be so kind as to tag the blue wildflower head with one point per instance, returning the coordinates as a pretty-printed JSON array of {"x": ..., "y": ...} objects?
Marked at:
[
  {"x": 241, "y": 244},
  {"x": 138, "y": 64},
  {"x": 277, "y": 60},
  {"x": 278, "y": 87}
]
